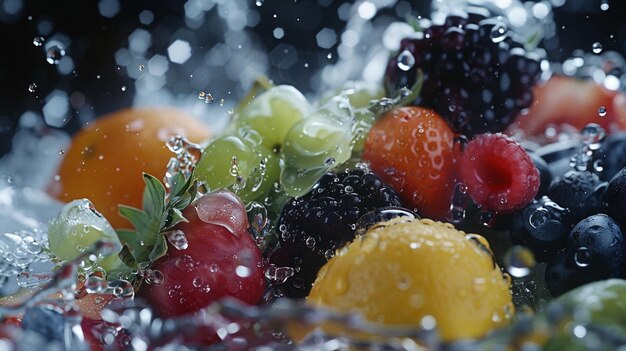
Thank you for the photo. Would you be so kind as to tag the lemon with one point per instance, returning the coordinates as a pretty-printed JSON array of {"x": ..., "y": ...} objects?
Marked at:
[{"x": 402, "y": 271}]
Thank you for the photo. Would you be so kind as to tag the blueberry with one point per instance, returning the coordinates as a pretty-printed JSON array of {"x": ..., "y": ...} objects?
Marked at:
[
  {"x": 611, "y": 156},
  {"x": 595, "y": 251},
  {"x": 615, "y": 197},
  {"x": 580, "y": 192},
  {"x": 541, "y": 227},
  {"x": 45, "y": 321}
]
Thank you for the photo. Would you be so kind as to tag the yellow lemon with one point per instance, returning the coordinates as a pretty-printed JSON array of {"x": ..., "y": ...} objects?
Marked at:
[{"x": 402, "y": 271}]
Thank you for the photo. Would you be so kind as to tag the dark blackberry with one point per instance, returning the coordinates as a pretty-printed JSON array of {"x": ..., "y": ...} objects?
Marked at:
[
  {"x": 474, "y": 73},
  {"x": 580, "y": 192},
  {"x": 541, "y": 227},
  {"x": 595, "y": 251},
  {"x": 313, "y": 226}
]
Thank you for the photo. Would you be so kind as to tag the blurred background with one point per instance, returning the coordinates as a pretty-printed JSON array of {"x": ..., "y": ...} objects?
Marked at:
[{"x": 64, "y": 63}]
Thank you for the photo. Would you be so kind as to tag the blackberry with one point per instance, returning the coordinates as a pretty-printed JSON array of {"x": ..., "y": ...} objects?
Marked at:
[
  {"x": 475, "y": 74},
  {"x": 595, "y": 251},
  {"x": 313, "y": 226}
]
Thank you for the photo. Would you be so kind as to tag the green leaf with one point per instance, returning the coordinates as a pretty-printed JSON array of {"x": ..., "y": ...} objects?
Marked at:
[
  {"x": 127, "y": 257},
  {"x": 159, "y": 249},
  {"x": 135, "y": 243},
  {"x": 153, "y": 196},
  {"x": 174, "y": 217},
  {"x": 177, "y": 184},
  {"x": 137, "y": 217}
]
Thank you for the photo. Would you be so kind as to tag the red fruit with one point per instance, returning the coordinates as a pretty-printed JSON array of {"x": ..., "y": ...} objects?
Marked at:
[
  {"x": 411, "y": 149},
  {"x": 498, "y": 173},
  {"x": 221, "y": 259},
  {"x": 564, "y": 102}
]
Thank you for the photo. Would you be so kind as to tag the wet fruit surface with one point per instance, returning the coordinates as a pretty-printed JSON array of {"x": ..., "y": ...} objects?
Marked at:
[
  {"x": 106, "y": 159},
  {"x": 411, "y": 149},
  {"x": 403, "y": 271}
]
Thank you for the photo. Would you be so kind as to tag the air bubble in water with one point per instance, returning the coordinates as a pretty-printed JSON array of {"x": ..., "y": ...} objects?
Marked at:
[
  {"x": 596, "y": 47},
  {"x": 32, "y": 87},
  {"x": 54, "y": 54},
  {"x": 38, "y": 41},
  {"x": 519, "y": 261},
  {"x": 601, "y": 111},
  {"x": 582, "y": 257},
  {"x": 406, "y": 60}
]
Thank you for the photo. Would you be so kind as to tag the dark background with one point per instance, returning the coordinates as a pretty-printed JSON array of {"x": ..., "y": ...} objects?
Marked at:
[{"x": 95, "y": 39}]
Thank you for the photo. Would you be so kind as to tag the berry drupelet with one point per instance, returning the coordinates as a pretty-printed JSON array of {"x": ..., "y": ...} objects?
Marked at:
[
  {"x": 313, "y": 226},
  {"x": 474, "y": 73}
]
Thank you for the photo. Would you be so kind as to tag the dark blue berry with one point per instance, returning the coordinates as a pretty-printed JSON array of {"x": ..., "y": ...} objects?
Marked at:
[
  {"x": 541, "y": 227},
  {"x": 477, "y": 82},
  {"x": 615, "y": 197},
  {"x": 611, "y": 156},
  {"x": 580, "y": 192},
  {"x": 595, "y": 251},
  {"x": 45, "y": 321},
  {"x": 311, "y": 227}
]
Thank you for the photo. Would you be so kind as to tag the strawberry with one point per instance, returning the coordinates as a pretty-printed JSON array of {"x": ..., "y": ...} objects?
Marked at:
[
  {"x": 195, "y": 253},
  {"x": 411, "y": 149},
  {"x": 564, "y": 102}
]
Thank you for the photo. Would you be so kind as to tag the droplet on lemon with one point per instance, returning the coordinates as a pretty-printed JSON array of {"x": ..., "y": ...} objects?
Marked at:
[{"x": 402, "y": 271}]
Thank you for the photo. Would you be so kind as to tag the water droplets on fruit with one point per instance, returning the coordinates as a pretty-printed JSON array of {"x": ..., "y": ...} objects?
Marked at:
[
  {"x": 310, "y": 242},
  {"x": 213, "y": 268},
  {"x": 95, "y": 284},
  {"x": 370, "y": 219},
  {"x": 601, "y": 111},
  {"x": 150, "y": 276},
  {"x": 539, "y": 217},
  {"x": 54, "y": 54},
  {"x": 582, "y": 257},
  {"x": 406, "y": 60},
  {"x": 519, "y": 261},
  {"x": 177, "y": 238},
  {"x": 458, "y": 203},
  {"x": 596, "y": 47}
]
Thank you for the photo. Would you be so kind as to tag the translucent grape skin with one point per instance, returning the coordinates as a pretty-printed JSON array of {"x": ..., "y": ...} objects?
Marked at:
[
  {"x": 242, "y": 164},
  {"x": 272, "y": 114},
  {"x": 77, "y": 228}
]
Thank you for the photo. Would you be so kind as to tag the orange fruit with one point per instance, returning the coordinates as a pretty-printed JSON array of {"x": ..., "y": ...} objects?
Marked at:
[{"x": 105, "y": 160}]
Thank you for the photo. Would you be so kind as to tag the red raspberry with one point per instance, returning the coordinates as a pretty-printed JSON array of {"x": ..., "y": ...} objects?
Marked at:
[{"x": 498, "y": 173}]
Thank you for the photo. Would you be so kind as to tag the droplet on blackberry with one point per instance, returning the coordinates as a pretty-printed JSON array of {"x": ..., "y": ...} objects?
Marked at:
[
  {"x": 475, "y": 74},
  {"x": 313, "y": 226}
]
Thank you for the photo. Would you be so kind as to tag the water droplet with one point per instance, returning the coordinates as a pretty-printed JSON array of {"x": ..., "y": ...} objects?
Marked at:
[
  {"x": 142, "y": 67},
  {"x": 208, "y": 98},
  {"x": 593, "y": 134},
  {"x": 539, "y": 217},
  {"x": 582, "y": 257},
  {"x": 370, "y": 219},
  {"x": 498, "y": 32},
  {"x": 519, "y": 261},
  {"x": 601, "y": 111},
  {"x": 328, "y": 254},
  {"x": 38, "y": 41},
  {"x": 406, "y": 60},
  {"x": 278, "y": 275},
  {"x": 243, "y": 271},
  {"x": 123, "y": 88},
  {"x": 604, "y": 5},
  {"x": 214, "y": 268},
  {"x": 330, "y": 161},
  {"x": 259, "y": 3},
  {"x": 154, "y": 277},
  {"x": 310, "y": 242},
  {"x": 178, "y": 239},
  {"x": 596, "y": 47},
  {"x": 54, "y": 54},
  {"x": 95, "y": 284},
  {"x": 32, "y": 87}
]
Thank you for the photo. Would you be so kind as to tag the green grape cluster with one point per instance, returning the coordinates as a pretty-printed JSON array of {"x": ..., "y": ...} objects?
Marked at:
[{"x": 279, "y": 140}]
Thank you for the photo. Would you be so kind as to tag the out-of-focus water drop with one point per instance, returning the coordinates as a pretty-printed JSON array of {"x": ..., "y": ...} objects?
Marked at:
[
  {"x": 601, "y": 111},
  {"x": 596, "y": 47},
  {"x": 32, "y": 87},
  {"x": 519, "y": 261},
  {"x": 38, "y": 41},
  {"x": 54, "y": 54}
]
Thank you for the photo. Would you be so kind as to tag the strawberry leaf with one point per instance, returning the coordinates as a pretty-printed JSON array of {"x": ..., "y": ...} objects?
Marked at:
[
  {"x": 159, "y": 250},
  {"x": 153, "y": 196},
  {"x": 127, "y": 257}
]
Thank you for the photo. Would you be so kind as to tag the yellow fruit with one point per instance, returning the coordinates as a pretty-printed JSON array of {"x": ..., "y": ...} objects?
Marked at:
[
  {"x": 106, "y": 159},
  {"x": 402, "y": 271}
]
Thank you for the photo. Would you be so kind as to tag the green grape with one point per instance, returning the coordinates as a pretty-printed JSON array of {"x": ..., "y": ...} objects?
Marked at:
[
  {"x": 364, "y": 119},
  {"x": 77, "y": 228},
  {"x": 316, "y": 144},
  {"x": 241, "y": 163},
  {"x": 273, "y": 112}
]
